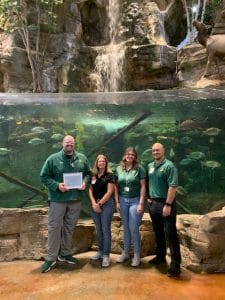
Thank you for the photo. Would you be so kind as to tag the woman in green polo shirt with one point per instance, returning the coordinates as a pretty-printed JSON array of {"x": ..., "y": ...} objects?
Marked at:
[{"x": 130, "y": 197}]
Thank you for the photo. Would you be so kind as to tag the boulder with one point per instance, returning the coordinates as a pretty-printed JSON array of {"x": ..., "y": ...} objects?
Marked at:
[
  {"x": 23, "y": 235},
  {"x": 202, "y": 241}
]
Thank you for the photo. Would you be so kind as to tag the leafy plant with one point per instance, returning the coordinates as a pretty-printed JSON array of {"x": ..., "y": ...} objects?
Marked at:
[
  {"x": 15, "y": 17},
  {"x": 210, "y": 11},
  {"x": 79, "y": 136}
]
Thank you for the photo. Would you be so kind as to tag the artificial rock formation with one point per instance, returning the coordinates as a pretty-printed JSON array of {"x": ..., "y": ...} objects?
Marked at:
[
  {"x": 202, "y": 241},
  {"x": 147, "y": 30},
  {"x": 23, "y": 235},
  {"x": 192, "y": 59}
]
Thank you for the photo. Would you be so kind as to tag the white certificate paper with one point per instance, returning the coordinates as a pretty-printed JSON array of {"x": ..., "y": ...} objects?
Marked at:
[{"x": 73, "y": 180}]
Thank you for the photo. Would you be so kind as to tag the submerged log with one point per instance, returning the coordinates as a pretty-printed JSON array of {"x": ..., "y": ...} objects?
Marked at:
[
  {"x": 24, "y": 185},
  {"x": 137, "y": 120}
]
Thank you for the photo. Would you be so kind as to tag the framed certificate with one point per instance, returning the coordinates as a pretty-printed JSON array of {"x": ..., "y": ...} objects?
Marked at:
[{"x": 73, "y": 180}]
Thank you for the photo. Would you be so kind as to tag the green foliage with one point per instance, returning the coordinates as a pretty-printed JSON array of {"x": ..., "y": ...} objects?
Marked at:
[
  {"x": 210, "y": 11},
  {"x": 27, "y": 17},
  {"x": 59, "y": 129},
  {"x": 11, "y": 14},
  {"x": 14, "y": 14},
  {"x": 79, "y": 136}
]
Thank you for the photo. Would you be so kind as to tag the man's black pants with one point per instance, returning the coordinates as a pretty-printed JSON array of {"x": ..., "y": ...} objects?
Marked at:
[{"x": 165, "y": 230}]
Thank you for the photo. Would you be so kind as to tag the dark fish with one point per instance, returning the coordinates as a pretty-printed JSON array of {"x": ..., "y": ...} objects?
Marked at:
[{"x": 191, "y": 124}]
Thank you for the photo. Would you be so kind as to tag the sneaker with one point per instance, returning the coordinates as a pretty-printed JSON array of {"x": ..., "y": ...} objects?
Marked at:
[
  {"x": 68, "y": 259},
  {"x": 105, "y": 261},
  {"x": 174, "y": 271},
  {"x": 135, "y": 261},
  {"x": 47, "y": 266},
  {"x": 123, "y": 257},
  {"x": 97, "y": 256},
  {"x": 157, "y": 260}
]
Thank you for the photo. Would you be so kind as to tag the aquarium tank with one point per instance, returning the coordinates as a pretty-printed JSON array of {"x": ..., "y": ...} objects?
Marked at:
[{"x": 190, "y": 124}]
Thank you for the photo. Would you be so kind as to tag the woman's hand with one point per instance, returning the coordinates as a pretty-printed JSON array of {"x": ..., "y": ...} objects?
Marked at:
[
  {"x": 140, "y": 208},
  {"x": 118, "y": 207},
  {"x": 96, "y": 208}
]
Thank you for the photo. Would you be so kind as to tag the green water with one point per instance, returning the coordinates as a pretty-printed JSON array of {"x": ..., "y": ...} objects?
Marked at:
[{"x": 190, "y": 124}]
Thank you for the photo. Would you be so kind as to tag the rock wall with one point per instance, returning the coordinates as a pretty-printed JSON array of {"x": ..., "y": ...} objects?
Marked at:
[
  {"x": 192, "y": 59},
  {"x": 147, "y": 30},
  {"x": 202, "y": 241},
  {"x": 23, "y": 235}
]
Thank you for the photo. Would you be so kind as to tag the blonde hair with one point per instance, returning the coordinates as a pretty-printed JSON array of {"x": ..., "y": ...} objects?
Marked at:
[
  {"x": 95, "y": 167},
  {"x": 135, "y": 162}
]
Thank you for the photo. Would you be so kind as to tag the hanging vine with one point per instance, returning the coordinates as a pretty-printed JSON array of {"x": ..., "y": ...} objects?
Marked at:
[{"x": 14, "y": 17}]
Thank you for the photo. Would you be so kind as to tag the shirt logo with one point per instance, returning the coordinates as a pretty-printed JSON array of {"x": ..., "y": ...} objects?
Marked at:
[{"x": 151, "y": 170}]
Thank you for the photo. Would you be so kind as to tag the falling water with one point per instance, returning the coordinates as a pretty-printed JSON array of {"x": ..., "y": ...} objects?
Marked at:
[{"x": 109, "y": 62}]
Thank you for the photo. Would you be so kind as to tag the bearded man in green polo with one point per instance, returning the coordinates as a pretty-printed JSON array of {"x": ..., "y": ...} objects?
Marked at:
[{"x": 64, "y": 199}]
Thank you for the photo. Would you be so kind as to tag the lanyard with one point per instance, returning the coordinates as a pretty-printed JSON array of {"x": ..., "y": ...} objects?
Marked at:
[{"x": 127, "y": 175}]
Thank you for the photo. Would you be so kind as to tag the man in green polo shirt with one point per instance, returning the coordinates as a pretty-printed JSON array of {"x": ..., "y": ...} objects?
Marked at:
[
  {"x": 163, "y": 181},
  {"x": 65, "y": 201}
]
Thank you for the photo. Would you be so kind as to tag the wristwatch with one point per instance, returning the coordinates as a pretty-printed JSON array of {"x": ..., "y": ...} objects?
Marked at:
[{"x": 168, "y": 204}]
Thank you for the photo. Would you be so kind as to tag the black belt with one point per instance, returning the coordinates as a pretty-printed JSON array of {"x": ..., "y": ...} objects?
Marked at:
[{"x": 158, "y": 199}]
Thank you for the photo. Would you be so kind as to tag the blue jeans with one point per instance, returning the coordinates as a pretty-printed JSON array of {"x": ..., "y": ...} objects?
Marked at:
[
  {"x": 103, "y": 226},
  {"x": 131, "y": 223}
]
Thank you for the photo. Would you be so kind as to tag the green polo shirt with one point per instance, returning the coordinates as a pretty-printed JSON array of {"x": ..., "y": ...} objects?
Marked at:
[
  {"x": 161, "y": 177},
  {"x": 52, "y": 174},
  {"x": 129, "y": 182}
]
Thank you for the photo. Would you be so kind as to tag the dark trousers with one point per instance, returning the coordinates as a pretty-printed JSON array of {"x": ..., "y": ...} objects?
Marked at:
[{"x": 165, "y": 229}]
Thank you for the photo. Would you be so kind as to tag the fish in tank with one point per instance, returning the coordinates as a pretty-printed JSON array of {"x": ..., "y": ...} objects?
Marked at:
[{"x": 190, "y": 124}]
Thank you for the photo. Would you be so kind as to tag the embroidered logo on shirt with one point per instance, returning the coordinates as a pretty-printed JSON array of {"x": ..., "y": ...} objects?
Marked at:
[{"x": 151, "y": 170}]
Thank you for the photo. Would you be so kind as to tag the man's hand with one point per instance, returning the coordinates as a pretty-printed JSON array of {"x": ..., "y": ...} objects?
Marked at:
[
  {"x": 166, "y": 210},
  {"x": 63, "y": 188},
  {"x": 83, "y": 186}
]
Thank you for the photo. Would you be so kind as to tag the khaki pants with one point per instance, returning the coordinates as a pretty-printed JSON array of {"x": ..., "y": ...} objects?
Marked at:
[{"x": 62, "y": 219}]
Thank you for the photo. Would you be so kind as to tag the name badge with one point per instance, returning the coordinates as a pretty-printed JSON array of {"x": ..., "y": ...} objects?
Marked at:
[
  {"x": 126, "y": 189},
  {"x": 151, "y": 170},
  {"x": 93, "y": 180}
]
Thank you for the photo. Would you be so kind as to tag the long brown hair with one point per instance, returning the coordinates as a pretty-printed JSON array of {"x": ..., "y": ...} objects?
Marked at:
[
  {"x": 95, "y": 166},
  {"x": 135, "y": 162}
]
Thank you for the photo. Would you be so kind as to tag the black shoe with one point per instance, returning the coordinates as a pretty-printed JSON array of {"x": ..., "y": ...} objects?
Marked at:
[
  {"x": 157, "y": 260},
  {"x": 174, "y": 272}
]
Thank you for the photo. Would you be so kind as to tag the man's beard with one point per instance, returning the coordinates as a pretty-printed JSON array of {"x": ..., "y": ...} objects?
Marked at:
[{"x": 68, "y": 151}]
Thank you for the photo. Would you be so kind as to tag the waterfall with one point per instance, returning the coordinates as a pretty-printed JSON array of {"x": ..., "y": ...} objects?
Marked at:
[{"x": 110, "y": 58}]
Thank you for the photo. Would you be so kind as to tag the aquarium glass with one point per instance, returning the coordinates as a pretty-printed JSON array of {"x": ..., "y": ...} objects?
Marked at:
[{"x": 190, "y": 124}]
